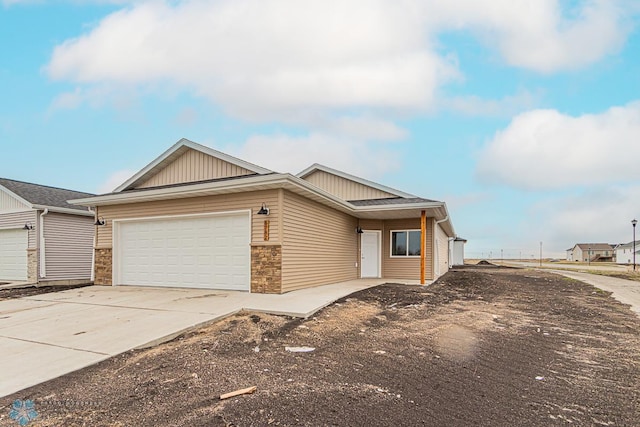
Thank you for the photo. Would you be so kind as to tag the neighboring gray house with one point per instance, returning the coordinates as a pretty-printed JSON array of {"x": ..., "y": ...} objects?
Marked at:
[
  {"x": 624, "y": 253},
  {"x": 591, "y": 252},
  {"x": 42, "y": 237}
]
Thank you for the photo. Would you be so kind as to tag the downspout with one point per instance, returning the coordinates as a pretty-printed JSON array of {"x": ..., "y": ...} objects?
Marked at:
[
  {"x": 423, "y": 246},
  {"x": 435, "y": 233},
  {"x": 43, "y": 263},
  {"x": 93, "y": 249}
]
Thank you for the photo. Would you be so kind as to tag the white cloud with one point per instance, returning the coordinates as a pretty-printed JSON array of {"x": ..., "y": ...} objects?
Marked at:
[
  {"x": 114, "y": 180},
  {"x": 544, "y": 149},
  {"x": 266, "y": 59},
  {"x": 364, "y": 159},
  {"x": 541, "y": 35}
]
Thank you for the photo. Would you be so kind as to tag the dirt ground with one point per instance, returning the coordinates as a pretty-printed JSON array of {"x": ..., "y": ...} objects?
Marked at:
[
  {"x": 482, "y": 346},
  {"x": 27, "y": 291}
]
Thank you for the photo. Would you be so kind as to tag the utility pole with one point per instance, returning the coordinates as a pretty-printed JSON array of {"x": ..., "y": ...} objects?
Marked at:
[
  {"x": 540, "y": 254},
  {"x": 634, "y": 223}
]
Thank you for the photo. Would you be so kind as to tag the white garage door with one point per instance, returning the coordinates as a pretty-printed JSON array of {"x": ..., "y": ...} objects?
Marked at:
[
  {"x": 13, "y": 255},
  {"x": 190, "y": 252}
]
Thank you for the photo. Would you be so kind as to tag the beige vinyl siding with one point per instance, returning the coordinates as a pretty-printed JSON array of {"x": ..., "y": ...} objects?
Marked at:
[
  {"x": 18, "y": 220},
  {"x": 443, "y": 249},
  {"x": 371, "y": 224},
  {"x": 405, "y": 267},
  {"x": 345, "y": 188},
  {"x": 197, "y": 205},
  {"x": 9, "y": 203},
  {"x": 68, "y": 246},
  {"x": 319, "y": 245},
  {"x": 194, "y": 166}
]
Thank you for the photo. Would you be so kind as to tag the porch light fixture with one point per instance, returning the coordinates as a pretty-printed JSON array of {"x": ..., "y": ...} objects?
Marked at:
[
  {"x": 634, "y": 222},
  {"x": 27, "y": 226},
  {"x": 100, "y": 221},
  {"x": 264, "y": 210},
  {"x": 359, "y": 230}
]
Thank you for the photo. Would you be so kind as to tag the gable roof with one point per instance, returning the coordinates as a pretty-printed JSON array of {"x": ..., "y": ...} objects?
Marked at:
[
  {"x": 318, "y": 167},
  {"x": 42, "y": 196},
  {"x": 629, "y": 245},
  {"x": 403, "y": 205},
  {"x": 595, "y": 246},
  {"x": 175, "y": 151}
]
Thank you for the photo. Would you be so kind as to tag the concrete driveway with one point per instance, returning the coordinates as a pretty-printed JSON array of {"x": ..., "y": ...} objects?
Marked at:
[
  {"x": 625, "y": 291},
  {"x": 49, "y": 335}
]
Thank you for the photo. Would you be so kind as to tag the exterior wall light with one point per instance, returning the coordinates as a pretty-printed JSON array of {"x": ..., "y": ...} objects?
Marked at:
[
  {"x": 100, "y": 221},
  {"x": 264, "y": 210},
  {"x": 27, "y": 226}
]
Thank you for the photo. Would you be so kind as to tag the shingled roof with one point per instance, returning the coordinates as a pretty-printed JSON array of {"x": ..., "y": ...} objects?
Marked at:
[
  {"x": 44, "y": 196},
  {"x": 595, "y": 246},
  {"x": 391, "y": 201}
]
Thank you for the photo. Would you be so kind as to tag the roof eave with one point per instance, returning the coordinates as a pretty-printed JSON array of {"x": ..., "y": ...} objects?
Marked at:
[
  {"x": 262, "y": 182},
  {"x": 63, "y": 210},
  {"x": 194, "y": 190}
]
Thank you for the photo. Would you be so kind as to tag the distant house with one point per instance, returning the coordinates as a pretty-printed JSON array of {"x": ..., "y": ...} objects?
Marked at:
[
  {"x": 457, "y": 251},
  {"x": 42, "y": 237},
  {"x": 591, "y": 252},
  {"x": 570, "y": 254},
  {"x": 624, "y": 253}
]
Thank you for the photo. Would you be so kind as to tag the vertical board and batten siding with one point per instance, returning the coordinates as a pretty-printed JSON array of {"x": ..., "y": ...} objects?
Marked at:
[
  {"x": 197, "y": 205},
  {"x": 9, "y": 203},
  {"x": 319, "y": 244},
  {"x": 443, "y": 250},
  {"x": 345, "y": 189},
  {"x": 13, "y": 220},
  {"x": 68, "y": 246},
  {"x": 194, "y": 166},
  {"x": 405, "y": 267}
]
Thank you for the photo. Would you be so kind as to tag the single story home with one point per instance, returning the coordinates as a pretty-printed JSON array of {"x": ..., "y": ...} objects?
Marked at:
[
  {"x": 195, "y": 217},
  {"x": 591, "y": 252},
  {"x": 42, "y": 237},
  {"x": 624, "y": 253}
]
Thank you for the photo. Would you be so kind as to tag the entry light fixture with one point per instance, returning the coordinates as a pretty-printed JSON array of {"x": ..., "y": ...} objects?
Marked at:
[
  {"x": 359, "y": 230},
  {"x": 100, "y": 221},
  {"x": 264, "y": 210},
  {"x": 27, "y": 226}
]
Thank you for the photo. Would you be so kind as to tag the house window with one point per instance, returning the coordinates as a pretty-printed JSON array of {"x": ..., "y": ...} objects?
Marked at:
[{"x": 405, "y": 243}]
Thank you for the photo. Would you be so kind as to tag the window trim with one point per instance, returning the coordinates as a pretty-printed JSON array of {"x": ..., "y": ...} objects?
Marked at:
[{"x": 408, "y": 230}]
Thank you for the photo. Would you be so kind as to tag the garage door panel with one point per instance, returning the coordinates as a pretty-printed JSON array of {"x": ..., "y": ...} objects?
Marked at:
[
  {"x": 13, "y": 255},
  {"x": 204, "y": 252}
]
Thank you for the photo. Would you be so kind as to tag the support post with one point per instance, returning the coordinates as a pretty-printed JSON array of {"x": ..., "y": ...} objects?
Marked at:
[{"x": 423, "y": 245}]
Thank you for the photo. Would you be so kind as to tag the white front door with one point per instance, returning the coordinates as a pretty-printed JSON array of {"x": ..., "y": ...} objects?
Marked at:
[{"x": 370, "y": 254}]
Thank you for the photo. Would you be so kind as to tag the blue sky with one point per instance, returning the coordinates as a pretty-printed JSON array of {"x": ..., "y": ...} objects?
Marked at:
[{"x": 524, "y": 116}]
